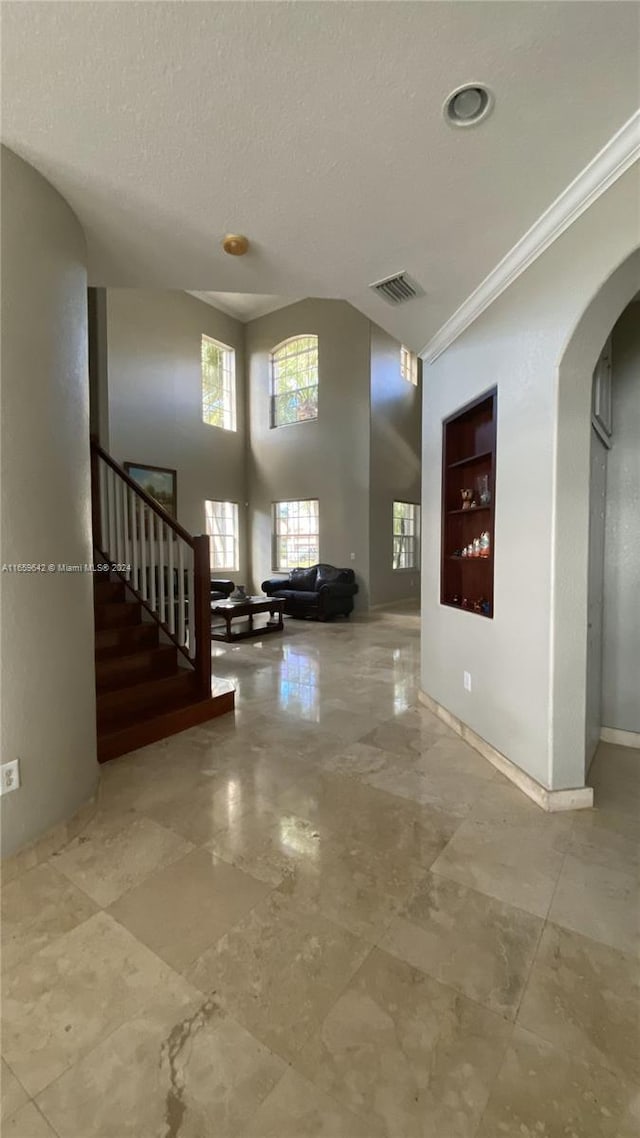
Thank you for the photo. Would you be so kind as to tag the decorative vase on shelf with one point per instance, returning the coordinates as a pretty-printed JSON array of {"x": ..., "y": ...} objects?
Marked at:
[
  {"x": 483, "y": 491},
  {"x": 239, "y": 594}
]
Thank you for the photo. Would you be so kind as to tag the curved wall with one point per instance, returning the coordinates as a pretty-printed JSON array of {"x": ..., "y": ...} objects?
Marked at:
[
  {"x": 47, "y": 671},
  {"x": 573, "y": 438},
  {"x": 621, "y": 609},
  {"x": 528, "y": 664}
]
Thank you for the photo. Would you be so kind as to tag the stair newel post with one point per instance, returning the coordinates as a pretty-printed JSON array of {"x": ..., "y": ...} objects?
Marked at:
[
  {"x": 202, "y": 613},
  {"x": 95, "y": 495}
]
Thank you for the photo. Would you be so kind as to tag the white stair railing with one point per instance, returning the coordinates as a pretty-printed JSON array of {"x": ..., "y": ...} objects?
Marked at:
[{"x": 165, "y": 566}]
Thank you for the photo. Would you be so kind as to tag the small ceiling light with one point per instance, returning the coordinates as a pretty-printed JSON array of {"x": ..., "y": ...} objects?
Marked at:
[
  {"x": 468, "y": 105},
  {"x": 235, "y": 244}
]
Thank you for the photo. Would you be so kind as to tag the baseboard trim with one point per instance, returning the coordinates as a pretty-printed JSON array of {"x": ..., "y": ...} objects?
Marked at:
[
  {"x": 553, "y": 801},
  {"x": 622, "y": 738},
  {"x": 402, "y": 602}
]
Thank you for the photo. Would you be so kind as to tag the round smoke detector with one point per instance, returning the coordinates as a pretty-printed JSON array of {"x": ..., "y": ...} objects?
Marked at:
[{"x": 468, "y": 105}]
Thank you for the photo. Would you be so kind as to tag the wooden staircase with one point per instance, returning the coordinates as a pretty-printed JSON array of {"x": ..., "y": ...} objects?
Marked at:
[{"x": 152, "y": 641}]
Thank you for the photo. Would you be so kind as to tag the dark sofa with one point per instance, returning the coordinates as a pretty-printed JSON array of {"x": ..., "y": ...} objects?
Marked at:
[
  {"x": 220, "y": 589},
  {"x": 320, "y": 592}
]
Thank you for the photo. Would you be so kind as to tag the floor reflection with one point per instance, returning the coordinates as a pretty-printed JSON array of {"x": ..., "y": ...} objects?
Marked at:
[
  {"x": 298, "y": 684},
  {"x": 297, "y": 837}
]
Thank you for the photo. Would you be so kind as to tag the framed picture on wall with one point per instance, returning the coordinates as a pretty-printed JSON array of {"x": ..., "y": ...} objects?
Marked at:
[
  {"x": 601, "y": 395},
  {"x": 158, "y": 482}
]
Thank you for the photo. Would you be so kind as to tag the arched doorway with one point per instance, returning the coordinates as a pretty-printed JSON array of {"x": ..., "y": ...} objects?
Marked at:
[{"x": 571, "y": 521}]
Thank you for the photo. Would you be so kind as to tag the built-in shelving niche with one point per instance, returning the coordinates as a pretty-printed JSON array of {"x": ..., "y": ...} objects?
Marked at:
[{"x": 468, "y": 459}]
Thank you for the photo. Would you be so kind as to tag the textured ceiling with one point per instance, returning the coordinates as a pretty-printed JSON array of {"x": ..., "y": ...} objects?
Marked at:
[{"x": 316, "y": 129}]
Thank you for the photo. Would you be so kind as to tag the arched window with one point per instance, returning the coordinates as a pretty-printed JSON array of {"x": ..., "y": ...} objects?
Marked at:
[{"x": 294, "y": 381}]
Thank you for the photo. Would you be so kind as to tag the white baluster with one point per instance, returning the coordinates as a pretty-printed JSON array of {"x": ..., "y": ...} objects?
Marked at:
[
  {"x": 104, "y": 513},
  {"x": 181, "y": 620},
  {"x": 143, "y": 589},
  {"x": 126, "y": 527},
  {"x": 172, "y": 589},
  {"x": 111, "y": 491},
  {"x": 118, "y": 551},
  {"x": 190, "y": 601},
  {"x": 163, "y": 570},
  {"x": 152, "y": 558},
  {"x": 135, "y": 564}
]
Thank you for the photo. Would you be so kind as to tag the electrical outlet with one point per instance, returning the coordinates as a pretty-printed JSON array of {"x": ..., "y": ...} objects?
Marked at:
[
  {"x": 467, "y": 681},
  {"x": 9, "y": 776},
  {"x": 353, "y": 556}
]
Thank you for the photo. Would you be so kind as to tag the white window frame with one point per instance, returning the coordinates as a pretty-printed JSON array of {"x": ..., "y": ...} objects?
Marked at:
[
  {"x": 229, "y": 422},
  {"x": 284, "y": 351},
  {"x": 408, "y": 365},
  {"x": 283, "y": 564},
  {"x": 222, "y": 526},
  {"x": 406, "y": 546}
]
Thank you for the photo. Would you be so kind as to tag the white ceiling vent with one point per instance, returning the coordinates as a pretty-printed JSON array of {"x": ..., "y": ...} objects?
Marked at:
[{"x": 397, "y": 289}]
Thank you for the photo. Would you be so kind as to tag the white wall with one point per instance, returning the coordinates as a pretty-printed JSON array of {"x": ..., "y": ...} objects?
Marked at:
[
  {"x": 155, "y": 400},
  {"x": 528, "y": 664},
  {"x": 327, "y": 458},
  {"x": 395, "y": 461},
  {"x": 621, "y": 645},
  {"x": 48, "y": 701}
]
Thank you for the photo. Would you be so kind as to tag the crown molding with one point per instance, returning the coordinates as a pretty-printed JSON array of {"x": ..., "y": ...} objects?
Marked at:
[{"x": 619, "y": 153}]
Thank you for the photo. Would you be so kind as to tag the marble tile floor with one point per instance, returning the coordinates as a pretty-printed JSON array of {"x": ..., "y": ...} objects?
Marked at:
[{"x": 327, "y": 917}]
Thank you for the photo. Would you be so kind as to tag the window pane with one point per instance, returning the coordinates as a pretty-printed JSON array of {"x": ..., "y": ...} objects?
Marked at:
[
  {"x": 294, "y": 381},
  {"x": 406, "y": 549},
  {"x": 408, "y": 365},
  {"x": 221, "y": 520},
  {"x": 296, "y": 534},
  {"x": 218, "y": 384}
]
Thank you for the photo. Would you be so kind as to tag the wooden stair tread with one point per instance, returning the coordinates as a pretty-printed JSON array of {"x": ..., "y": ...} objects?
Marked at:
[
  {"x": 106, "y": 590},
  {"x": 142, "y": 694},
  {"x": 121, "y": 642},
  {"x": 117, "y": 614},
  {"x": 152, "y": 693},
  {"x": 134, "y": 668},
  {"x": 142, "y": 727}
]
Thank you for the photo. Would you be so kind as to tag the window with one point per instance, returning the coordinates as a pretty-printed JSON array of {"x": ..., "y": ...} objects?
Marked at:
[
  {"x": 409, "y": 365},
  {"x": 222, "y": 528},
  {"x": 406, "y": 535},
  {"x": 295, "y": 534},
  {"x": 294, "y": 381},
  {"x": 218, "y": 384}
]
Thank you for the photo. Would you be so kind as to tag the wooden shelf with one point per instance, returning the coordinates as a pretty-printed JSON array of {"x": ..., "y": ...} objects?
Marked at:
[
  {"x": 471, "y": 510},
  {"x": 468, "y": 461},
  {"x": 471, "y": 458},
  {"x": 450, "y": 605}
]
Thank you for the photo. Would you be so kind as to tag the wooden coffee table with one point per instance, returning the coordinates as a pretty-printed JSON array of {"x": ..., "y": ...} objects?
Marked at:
[{"x": 229, "y": 610}]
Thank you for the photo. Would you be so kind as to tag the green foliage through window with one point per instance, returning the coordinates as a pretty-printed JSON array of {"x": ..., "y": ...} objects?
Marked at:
[
  {"x": 296, "y": 534},
  {"x": 218, "y": 384},
  {"x": 294, "y": 381},
  {"x": 406, "y": 535}
]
